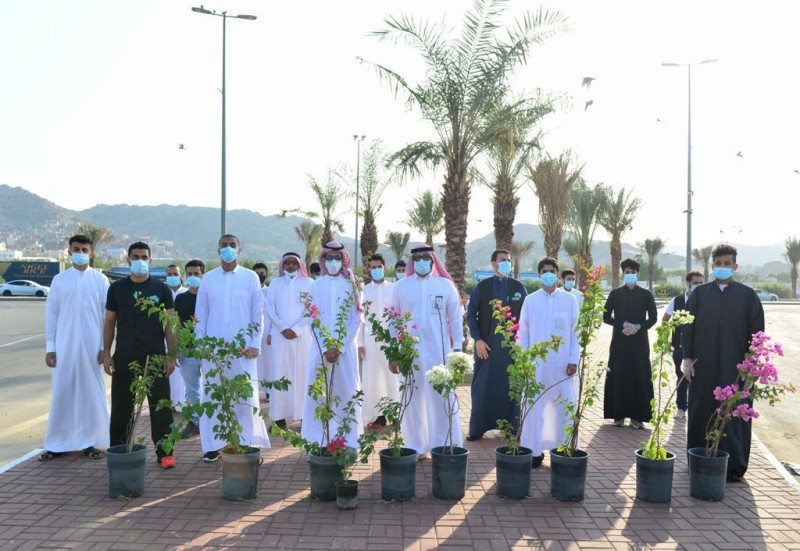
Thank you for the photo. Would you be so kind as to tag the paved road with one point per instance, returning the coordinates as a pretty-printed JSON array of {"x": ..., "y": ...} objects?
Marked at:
[{"x": 25, "y": 380}]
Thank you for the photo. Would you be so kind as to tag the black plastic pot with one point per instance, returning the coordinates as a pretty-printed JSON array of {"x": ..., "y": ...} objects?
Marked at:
[
  {"x": 568, "y": 475},
  {"x": 126, "y": 470},
  {"x": 347, "y": 494},
  {"x": 325, "y": 472},
  {"x": 240, "y": 474},
  {"x": 654, "y": 478},
  {"x": 449, "y": 472},
  {"x": 707, "y": 475},
  {"x": 398, "y": 474},
  {"x": 513, "y": 472}
]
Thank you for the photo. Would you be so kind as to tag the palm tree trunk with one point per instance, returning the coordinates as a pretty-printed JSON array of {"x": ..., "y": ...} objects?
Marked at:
[
  {"x": 793, "y": 277},
  {"x": 327, "y": 234},
  {"x": 616, "y": 258},
  {"x": 369, "y": 237},
  {"x": 455, "y": 201},
  {"x": 505, "y": 211},
  {"x": 552, "y": 243}
]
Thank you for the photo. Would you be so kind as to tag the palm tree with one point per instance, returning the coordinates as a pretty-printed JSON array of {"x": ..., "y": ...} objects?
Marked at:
[
  {"x": 584, "y": 211},
  {"x": 427, "y": 216},
  {"x": 309, "y": 233},
  {"x": 652, "y": 248},
  {"x": 509, "y": 152},
  {"x": 792, "y": 256},
  {"x": 703, "y": 256},
  {"x": 100, "y": 235},
  {"x": 616, "y": 217},
  {"x": 372, "y": 185},
  {"x": 398, "y": 241},
  {"x": 465, "y": 78},
  {"x": 519, "y": 250},
  {"x": 329, "y": 197},
  {"x": 552, "y": 180}
]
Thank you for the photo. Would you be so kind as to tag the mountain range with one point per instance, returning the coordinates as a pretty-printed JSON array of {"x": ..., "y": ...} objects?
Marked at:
[{"x": 192, "y": 232}]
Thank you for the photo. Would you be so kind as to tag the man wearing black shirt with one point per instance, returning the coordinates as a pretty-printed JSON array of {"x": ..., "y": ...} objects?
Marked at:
[
  {"x": 139, "y": 336},
  {"x": 190, "y": 367}
]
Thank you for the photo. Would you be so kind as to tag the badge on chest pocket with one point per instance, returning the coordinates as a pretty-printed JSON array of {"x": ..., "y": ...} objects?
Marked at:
[{"x": 437, "y": 303}]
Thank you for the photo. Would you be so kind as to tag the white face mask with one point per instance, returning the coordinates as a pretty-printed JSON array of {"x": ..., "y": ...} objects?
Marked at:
[
  {"x": 291, "y": 273},
  {"x": 333, "y": 267}
]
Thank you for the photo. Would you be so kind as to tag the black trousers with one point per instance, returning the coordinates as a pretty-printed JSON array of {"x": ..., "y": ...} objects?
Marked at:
[{"x": 122, "y": 403}]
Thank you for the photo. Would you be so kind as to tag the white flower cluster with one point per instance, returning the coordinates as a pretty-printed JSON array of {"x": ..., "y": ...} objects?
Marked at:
[
  {"x": 460, "y": 361},
  {"x": 682, "y": 317},
  {"x": 440, "y": 376}
]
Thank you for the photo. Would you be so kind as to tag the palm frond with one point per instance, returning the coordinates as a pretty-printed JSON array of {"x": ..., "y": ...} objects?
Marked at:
[{"x": 408, "y": 162}]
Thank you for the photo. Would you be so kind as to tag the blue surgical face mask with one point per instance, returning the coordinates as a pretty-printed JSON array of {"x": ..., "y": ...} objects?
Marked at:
[
  {"x": 631, "y": 279},
  {"x": 569, "y": 284},
  {"x": 422, "y": 267},
  {"x": 228, "y": 254},
  {"x": 193, "y": 281},
  {"x": 174, "y": 281},
  {"x": 139, "y": 267},
  {"x": 722, "y": 272},
  {"x": 504, "y": 268},
  {"x": 80, "y": 259},
  {"x": 333, "y": 267},
  {"x": 548, "y": 279},
  {"x": 376, "y": 273},
  {"x": 400, "y": 275}
]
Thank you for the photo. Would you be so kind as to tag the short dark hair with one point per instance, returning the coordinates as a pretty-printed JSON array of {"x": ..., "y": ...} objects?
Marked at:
[
  {"x": 82, "y": 239},
  {"x": 172, "y": 266},
  {"x": 377, "y": 257},
  {"x": 314, "y": 268},
  {"x": 691, "y": 275},
  {"x": 399, "y": 264},
  {"x": 196, "y": 264},
  {"x": 629, "y": 263},
  {"x": 498, "y": 252},
  {"x": 258, "y": 265},
  {"x": 568, "y": 272},
  {"x": 724, "y": 249},
  {"x": 238, "y": 244},
  {"x": 139, "y": 245},
  {"x": 547, "y": 261}
]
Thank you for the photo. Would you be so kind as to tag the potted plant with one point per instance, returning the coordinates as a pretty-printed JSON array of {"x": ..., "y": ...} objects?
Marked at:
[
  {"x": 757, "y": 380},
  {"x": 449, "y": 462},
  {"x": 654, "y": 464},
  {"x": 126, "y": 462},
  {"x": 513, "y": 461},
  {"x": 398, "y": 463},
  {"x": 324, "y": 468},
  {"x": 568, "y": 463}
]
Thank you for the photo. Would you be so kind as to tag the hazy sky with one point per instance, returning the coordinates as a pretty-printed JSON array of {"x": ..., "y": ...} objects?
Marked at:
[{"x": 97, "y": 95}]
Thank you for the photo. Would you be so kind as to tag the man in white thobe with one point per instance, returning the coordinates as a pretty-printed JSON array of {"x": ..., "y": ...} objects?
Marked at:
[
  {"x": 570, "y": 280},
  {"x": 377, "y": 381},
  {"x": 429, "y": 294},
  {"x": 74, "y": 315},
  {"x": 177, "y": 386},
  {"x": 291, "y": 338},
  {"x": 335, "y": 286},
  {"x": 547, "y": 312},
  {"x": 230, "y": 300}
]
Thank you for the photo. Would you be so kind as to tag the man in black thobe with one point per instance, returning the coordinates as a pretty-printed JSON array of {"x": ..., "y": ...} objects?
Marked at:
[
  {"x": 490, "y": 400},
  {"x": 629, "y": 387},
  {"x": 726, "y": 315}
]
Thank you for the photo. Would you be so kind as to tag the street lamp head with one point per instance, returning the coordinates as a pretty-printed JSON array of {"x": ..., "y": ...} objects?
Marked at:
[
  {"x": 244, "y": 16},
  {"x": 201, "y": 9},
  {"x": 668, "y": 64},
  {"x": 708, "y": 61}
]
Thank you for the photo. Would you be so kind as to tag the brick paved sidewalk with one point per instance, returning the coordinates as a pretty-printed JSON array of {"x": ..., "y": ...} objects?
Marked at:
[{"x": 64, "y": 504}]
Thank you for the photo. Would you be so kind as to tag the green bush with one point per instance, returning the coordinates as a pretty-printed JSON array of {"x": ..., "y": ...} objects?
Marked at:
[
  {"x": 532, "y": 285},
  {"x": 667, "y": 290},
  {"x": 783, "y": 291},
  {"x": 470, "y": 286}
]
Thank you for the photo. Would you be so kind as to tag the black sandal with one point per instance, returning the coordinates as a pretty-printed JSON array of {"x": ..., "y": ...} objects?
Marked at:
[
  {"x": 93, "y": 453},
  {"x": 48, "y": 455}
]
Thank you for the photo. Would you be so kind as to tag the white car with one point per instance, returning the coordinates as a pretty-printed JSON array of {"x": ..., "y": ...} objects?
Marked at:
[
  {"x": 23, "y": 287},
  {"x": 766, "y": 295}
]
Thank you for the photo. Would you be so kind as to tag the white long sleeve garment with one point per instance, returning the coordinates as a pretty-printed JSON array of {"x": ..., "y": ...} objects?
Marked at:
[{"x": 377, "y": 381}]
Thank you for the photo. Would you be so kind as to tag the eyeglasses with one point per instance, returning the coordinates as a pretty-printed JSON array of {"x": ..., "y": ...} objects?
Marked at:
[
  {"x": 421, "y": 257},
  {"x": 331, "y": 257}
]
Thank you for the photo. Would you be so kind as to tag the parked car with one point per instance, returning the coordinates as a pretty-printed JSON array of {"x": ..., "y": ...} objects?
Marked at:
[
  {"x": 23, "y": 287},
  {"x": 766, "y": 295}
]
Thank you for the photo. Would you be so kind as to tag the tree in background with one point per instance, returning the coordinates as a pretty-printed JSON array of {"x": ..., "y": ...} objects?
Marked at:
[
  {"x": 519, "y": 250},
  {"x": 310, "y": 233},
  {"x": 329, "y": 196},
  {"x": 372, "y": 185},
  {"x": 584, "y": 212},
  {"x": 619, "y": 211},
  {"x": 398, "y": 242},
  {"x": 552, "y": 180},
  {"x": 465, "y": 79},
  {"x": 652, "y": 248},
  {"x": 792, "y": 256},
  {"x": 703, "y": 256},
  {"x": 426, "y": 215},
  {"x": 99, "y": 234}
]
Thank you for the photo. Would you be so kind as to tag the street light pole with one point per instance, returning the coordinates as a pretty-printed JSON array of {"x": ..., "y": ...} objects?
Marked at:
[
  {"x": 358, "y": 139},
  {"x": 223, "y": 202},
  {"x": 689, "y": 158}
]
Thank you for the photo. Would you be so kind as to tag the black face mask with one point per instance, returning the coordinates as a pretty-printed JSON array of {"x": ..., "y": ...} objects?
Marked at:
[{"x": 262, "y": 278}]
